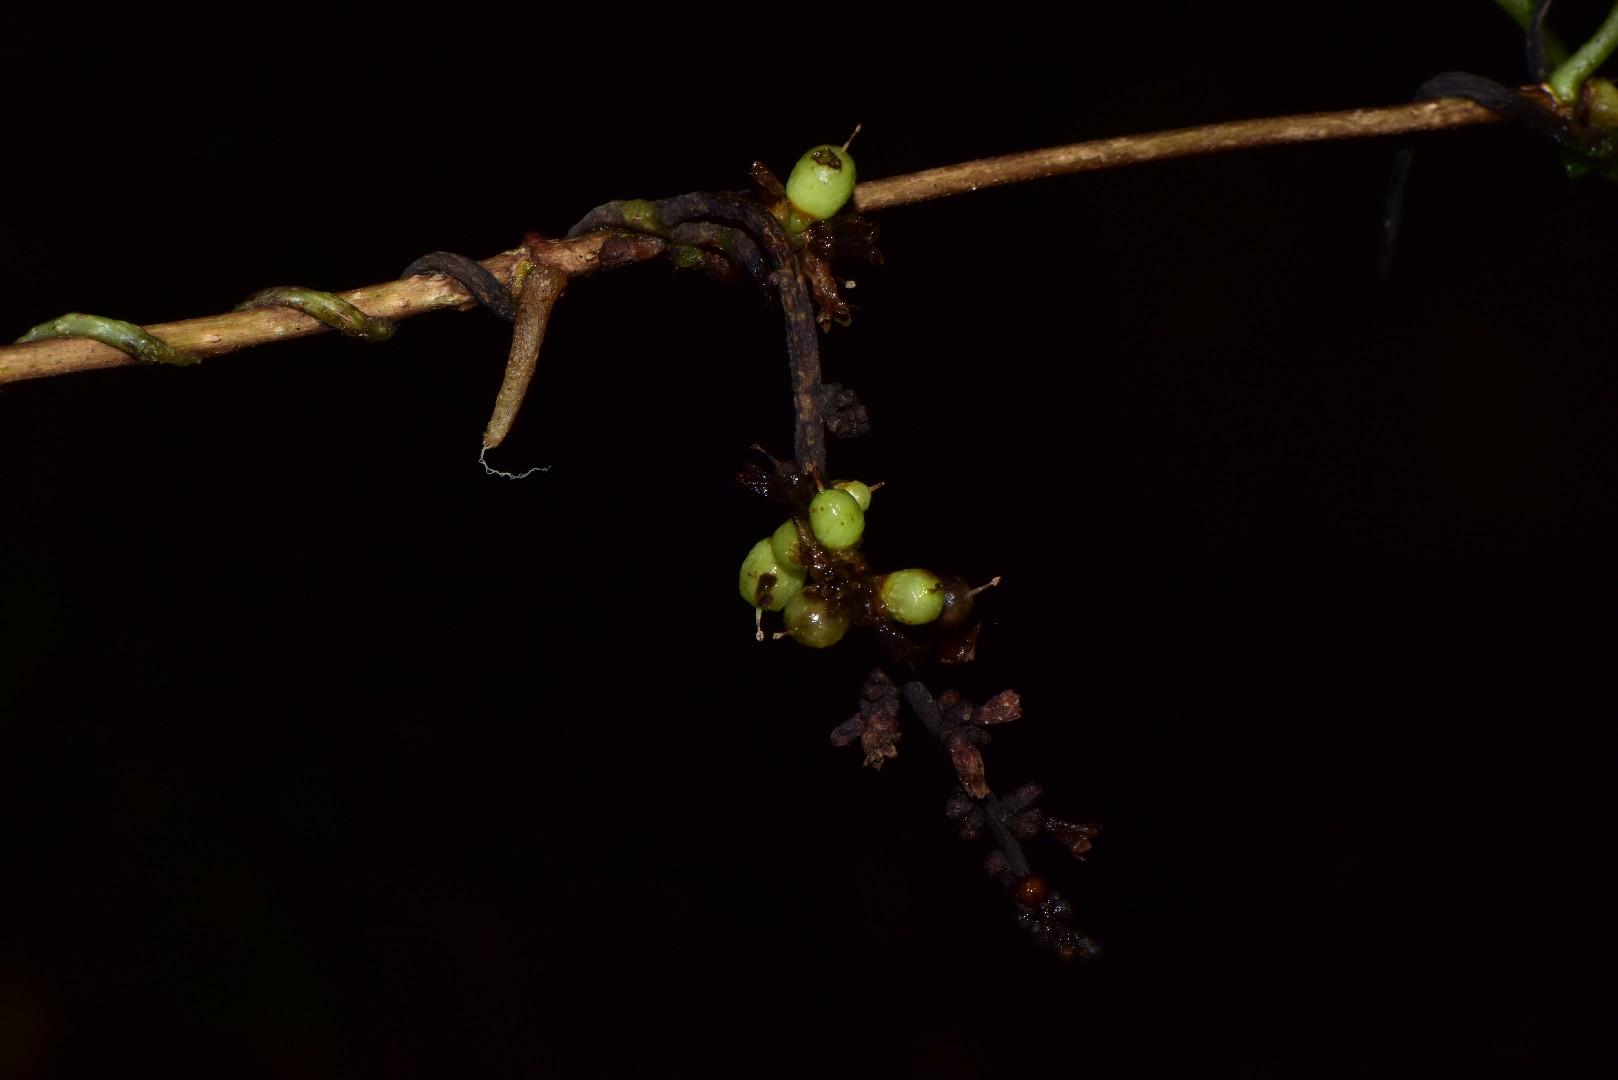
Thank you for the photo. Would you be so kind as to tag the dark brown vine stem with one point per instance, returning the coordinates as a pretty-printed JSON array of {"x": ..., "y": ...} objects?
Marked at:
[
  {"x": 787, "y": 282},
  {"x": 1040, "y": 909},
  {"x": 925, "y": 707}
]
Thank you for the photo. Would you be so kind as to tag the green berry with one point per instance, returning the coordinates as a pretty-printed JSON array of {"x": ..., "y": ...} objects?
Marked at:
[
  {"x": 785, "y": 545},
  {"x": 913, "y": 597},
  {"x": 813, "y": 622},
  {"x": 783, "y": 583},
  {"x": 836, "y": 519},
  {"x": 821, "y": 182},
  {"x": 861, "y": 492}
]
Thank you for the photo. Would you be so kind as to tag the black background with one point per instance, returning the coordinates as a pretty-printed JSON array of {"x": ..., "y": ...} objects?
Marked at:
[{"x": 324, "y": 754}]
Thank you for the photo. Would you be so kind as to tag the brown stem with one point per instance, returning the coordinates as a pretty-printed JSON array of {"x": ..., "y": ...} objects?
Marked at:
[
  {"x": 540, "y": 290},
  {"x": 1162, "y": 145},
  {"x": 215, "y": 335}
]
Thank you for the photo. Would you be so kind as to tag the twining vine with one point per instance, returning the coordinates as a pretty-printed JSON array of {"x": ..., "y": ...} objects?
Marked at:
[
  {"x": 785, "y": 239},
  {"x": 46, "y": 354}
]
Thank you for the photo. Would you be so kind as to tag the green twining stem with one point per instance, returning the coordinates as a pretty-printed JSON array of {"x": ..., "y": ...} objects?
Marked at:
[
  {"x": 1566, "y": 81},
  {"x": 641, "y": 214},
  {"x": 1522, "y": 11},
  {"x": 332, "y": 311},
  {"x": 123, "y": 336}
]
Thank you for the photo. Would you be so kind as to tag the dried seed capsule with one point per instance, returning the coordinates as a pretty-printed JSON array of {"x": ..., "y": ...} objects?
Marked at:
[
  {"x": 956, "y": 595},
  {"x": 813, "y": 622}
]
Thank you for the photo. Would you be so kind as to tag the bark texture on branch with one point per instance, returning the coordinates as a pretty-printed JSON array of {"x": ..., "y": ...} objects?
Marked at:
[{"x": 1163, "y": 145}]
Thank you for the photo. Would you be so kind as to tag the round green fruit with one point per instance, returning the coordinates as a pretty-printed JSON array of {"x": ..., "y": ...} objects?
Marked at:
[
  {"x": 861, "y": 492},
  {"x": 913, "y": 597},
  {"x": 783, "y": 583},
  {"x": 836, "y": 519},
  {"x": 821, "y": 183},
  {"x": 785, "y": 545}
]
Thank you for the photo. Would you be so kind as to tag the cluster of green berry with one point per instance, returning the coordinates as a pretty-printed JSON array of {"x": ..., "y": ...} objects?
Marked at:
[
  {"x": 812, "y": 572},
  {"x": 811, "y": 569}
]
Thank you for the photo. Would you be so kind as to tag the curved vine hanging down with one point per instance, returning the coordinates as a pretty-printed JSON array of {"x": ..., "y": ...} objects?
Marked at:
[{"x": 811, "y": 568}]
